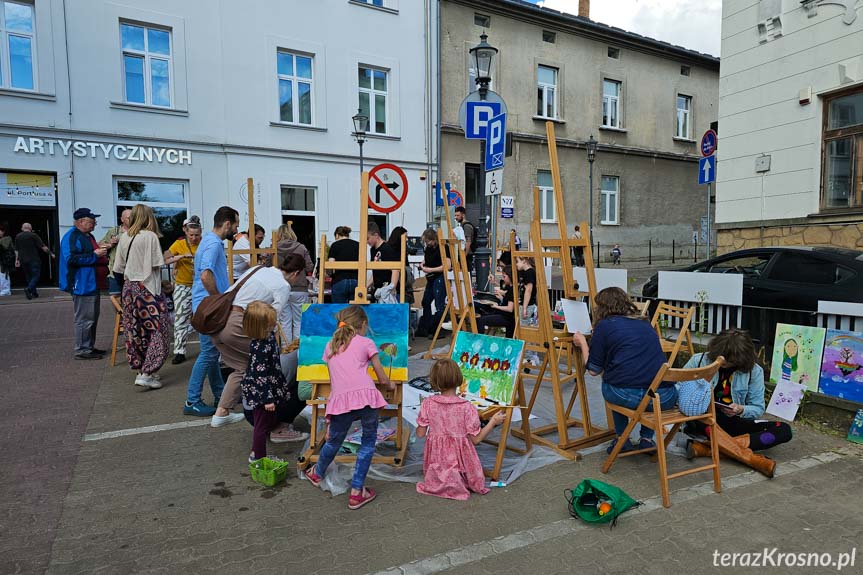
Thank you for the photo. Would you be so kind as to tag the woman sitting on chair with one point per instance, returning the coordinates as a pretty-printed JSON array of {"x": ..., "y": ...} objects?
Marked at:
[
  {"x": 738, "y": 389},
  {"x": 500, "y": 314},
  {"x": 626, "y": 351}
]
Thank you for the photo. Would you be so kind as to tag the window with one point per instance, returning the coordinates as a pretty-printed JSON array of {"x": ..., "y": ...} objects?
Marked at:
[
  {"x": 843, "y": 152},
  {"x": 749, "y": 266},
  {"x": 611, "y": 103},
  {"x": 546, "y": 92},
  {"x": 685, "y": 71},
  {"x": 609, "y": 200},
  {"x": 297, "y": 199},
  {"x": 166, "y": 197},
  {"x": 804, "y": 268},
  {"x": 482, "y": 20},
  {"x": 614, "y": 53},
  {"x": 373, "y": 97},
  {"x": 546, "y": 196},
  {"x": 684, "y": 109},
  {"x": 298, "y": 208},
  {"x": 549, "y": 37},
  {"x": 147, "y": 66},
  {"x": 17, "y": 44},
  {"x": 295, "y": 88}
]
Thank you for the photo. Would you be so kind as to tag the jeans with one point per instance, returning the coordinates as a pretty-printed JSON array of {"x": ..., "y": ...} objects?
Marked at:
[
  {"x": 32, "y": 273},
  {"x": 86, "y": 309},
  {"x": 343, "y": 291},
  {"x": 630, "y": 397},
  {"x": 207, "y": 365},
  {"x": 435, "y": 292},
  {"x": 339, "y": 427},
  {"x": 291, "y": 325}
]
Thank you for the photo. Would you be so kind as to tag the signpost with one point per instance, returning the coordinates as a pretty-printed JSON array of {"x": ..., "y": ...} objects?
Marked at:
[
  {"x": 495, "y": 142},
  {"x": 388, "y": 188},
  {"x": 494, "y": 183},
  {"x": 507, "y": 207},
  {"x": 708, "y": 143},
  {"x": 707, "y": 173}
]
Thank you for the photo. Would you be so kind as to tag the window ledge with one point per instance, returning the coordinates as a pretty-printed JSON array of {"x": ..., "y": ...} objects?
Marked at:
[
  {"x": 27, "y": 94},
  {"x": 150, "y": 109},
  {"x": 609, "y": 223},
  {"x": 545, "y": 119},
  {"x": 548, "y": 221},
  {"x": 613, "y": 129},
  {"x": 372, "y": 6},
  {"x": 683, "y": 140},
  {"x": 382, "y": 137},
  {"x": 297, "y": 126}
]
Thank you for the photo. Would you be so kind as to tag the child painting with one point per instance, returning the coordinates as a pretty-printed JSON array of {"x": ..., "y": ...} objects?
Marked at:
[
  {"x": 789, "y": 358},
  {"x": 451, "y": 466}
]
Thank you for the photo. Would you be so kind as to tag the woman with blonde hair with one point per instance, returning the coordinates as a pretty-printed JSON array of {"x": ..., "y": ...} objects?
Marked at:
[
  {"x": 146, "y": 322},
  {"x": 286, "y": 246}
]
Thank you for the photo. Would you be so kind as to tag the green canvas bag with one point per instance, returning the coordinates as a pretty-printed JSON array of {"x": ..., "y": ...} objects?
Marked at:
[{"x": 584, "y": 501}]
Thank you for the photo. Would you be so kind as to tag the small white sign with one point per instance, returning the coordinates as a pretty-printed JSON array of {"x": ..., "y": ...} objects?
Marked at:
[
  {"x": 494, "y": 182},
  {"x": 786, "y": 399},
  {"x": 605, "y": 277},
  {"x": 507, "y": 207},
  {"x": 725, "y": 289},
  {"x": 577, "y": 316}
]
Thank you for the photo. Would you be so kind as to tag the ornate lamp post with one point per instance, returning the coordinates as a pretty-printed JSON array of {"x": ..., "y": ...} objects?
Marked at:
[{"x": 361, "y": 126}]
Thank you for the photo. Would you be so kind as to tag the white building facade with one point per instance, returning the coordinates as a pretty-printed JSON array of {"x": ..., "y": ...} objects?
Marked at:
[
  {"x": 790, "y": 158},
  {"x": 175, "y": 104}
]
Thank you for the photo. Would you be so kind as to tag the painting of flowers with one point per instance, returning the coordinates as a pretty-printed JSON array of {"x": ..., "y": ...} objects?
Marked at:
[{"x": 489, "y": 366}]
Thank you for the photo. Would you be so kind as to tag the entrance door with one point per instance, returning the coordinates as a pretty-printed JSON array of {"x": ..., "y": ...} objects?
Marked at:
[
  {"x": 304, "y": 227},
  {"x": 44, "y": 222},
  {"x": 298, "y": 207}
]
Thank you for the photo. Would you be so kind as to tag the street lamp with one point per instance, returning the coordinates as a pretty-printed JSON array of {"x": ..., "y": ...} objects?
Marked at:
[
  {"x": 591, "y": 156},
  {"x": 483, "y": 57},
  {"x": 361, "y": 126}
]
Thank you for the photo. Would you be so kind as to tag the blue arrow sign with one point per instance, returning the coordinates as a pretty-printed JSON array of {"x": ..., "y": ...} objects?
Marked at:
[
  {"x": 477, "y": 118},
  {"x": 495, "y": 142},
  {"x": 707, "y": 170}
]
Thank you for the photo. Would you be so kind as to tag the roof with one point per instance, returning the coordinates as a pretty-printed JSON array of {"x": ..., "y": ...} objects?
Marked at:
[{"x": 588, "y": 27}]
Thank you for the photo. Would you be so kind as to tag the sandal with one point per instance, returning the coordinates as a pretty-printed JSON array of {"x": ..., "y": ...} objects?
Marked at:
[
  {"x": 313, "y": 477},
  {"x": 357, "y": 501}
]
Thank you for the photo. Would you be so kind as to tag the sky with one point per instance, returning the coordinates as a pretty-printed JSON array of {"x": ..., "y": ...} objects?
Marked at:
[{"x": 693, "y": 24}]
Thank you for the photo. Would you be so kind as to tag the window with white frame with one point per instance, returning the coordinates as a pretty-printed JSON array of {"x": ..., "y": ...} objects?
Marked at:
[
  {"x": 546, "y": 196},
  {"x": 609, "y": 193},
  {"x": 373, "y": 84},
  {"x": 546, "y": 92},
  {"x": 167, "y": 198},
  {"x": 147, "y": 65},
  {"x": 611, "y": 103},
  {"x": 17, "y": 45},
  {"x": 296, "y": 88},
  {"x": 684, "y": 115}
]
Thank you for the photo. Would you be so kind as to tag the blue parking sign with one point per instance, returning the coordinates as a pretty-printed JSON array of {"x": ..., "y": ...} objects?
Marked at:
[
  {"x": 495, "y": 142},
  {"x": 478, "y": 116}
]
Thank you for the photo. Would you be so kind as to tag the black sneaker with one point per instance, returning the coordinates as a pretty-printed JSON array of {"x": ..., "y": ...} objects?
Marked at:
[
  {"x": 178, "y": 358},
  {"x": 88, "y": 355},
  {"x": 98, "y": 351},
  {"x": 35, "y": 293},
  {"x": 28, "y": 294}
]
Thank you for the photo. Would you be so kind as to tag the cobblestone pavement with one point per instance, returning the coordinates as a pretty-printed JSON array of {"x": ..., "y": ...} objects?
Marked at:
[{"x": 181, "y": 500}]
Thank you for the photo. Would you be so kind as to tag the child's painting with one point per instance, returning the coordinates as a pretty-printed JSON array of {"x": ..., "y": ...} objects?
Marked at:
[
  {"x": 489, "y": 366},
  {"x": 842, "y": 367},
  {"x": 855, "y": 434},
  {"x": 797, "y": 354},
  {"x": 388, "y": 328},
  {"x": 786, "y": 399}
]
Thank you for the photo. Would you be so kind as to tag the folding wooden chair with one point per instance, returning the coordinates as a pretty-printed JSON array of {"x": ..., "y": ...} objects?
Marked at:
[
  {"x": 657, "y": 419},
  {"x": 672, "y": 346},
  {"x": 118, "y": 328},
  {"x": 643, "y": 307}
]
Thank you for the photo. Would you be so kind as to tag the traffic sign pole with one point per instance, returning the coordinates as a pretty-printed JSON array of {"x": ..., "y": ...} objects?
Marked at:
[{"x": 708, "y": 221}]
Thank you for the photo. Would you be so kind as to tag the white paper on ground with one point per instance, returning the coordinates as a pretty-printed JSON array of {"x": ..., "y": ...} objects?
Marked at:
[
  {"x": 577, "y": 316},
  {"x": 786, "y": 399}
]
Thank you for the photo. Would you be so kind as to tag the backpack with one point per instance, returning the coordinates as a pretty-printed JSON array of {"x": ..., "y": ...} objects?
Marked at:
[{"x": 473, "y": 239}]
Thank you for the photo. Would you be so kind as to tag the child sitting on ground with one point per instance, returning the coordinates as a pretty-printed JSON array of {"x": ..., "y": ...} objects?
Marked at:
[
  {"x": 450, "y": 463},
  {"x": 263, "y": 384},
  {"x": 353, "y": 396}
]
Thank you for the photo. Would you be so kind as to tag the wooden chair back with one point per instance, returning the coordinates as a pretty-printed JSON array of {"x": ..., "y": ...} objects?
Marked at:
[{"x": 672, "y": 346}]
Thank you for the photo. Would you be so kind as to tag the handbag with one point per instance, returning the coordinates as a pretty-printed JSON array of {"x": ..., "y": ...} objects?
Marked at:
[
  {"x": 213, "y": 311},
  {"x": 693, "y": 397},
  {"x": 594, "y": 501}
]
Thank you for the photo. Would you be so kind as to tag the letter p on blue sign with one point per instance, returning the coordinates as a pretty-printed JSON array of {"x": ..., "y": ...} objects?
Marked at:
[
  {"x": 478, "y": 116},
  {"x": 495, "y": 142}
]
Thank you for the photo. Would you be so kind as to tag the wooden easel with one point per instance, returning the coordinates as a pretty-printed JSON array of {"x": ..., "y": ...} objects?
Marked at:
[
  {"x": 321, "y": 389},
  {"x": 253, "y": 252},
  {"x": 556, "y": 344}
]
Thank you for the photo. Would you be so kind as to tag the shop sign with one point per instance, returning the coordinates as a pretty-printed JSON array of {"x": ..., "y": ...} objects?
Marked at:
[{"x": 100, "y": 150}]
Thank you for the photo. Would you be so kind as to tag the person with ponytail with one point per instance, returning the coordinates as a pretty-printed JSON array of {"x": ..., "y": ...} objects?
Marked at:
[{"x": 353, "y": 396}]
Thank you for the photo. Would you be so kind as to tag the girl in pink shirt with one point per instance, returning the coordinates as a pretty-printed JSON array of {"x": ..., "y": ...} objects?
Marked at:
[
  {"x": 450, "y": 463},
  {"x": 353, "y": 396}
]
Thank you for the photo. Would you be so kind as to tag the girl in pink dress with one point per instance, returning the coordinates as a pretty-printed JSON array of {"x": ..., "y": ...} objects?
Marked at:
[
  {"x": 353, "y": 396},
  {"x": 451, "y": 464}
]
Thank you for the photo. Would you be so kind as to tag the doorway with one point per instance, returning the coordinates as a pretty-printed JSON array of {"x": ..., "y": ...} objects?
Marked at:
[
  {"x": 305, "y": 228},
  {"x": 381, "y": 221},
  {"x": 45, "y": 225}
]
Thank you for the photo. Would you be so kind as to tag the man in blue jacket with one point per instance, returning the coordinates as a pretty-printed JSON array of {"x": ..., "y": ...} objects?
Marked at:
[{"x": 80, "y": 257}]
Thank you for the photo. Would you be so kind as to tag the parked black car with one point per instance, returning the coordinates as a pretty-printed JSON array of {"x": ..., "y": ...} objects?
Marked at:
[{"x": 786, "y": 277}]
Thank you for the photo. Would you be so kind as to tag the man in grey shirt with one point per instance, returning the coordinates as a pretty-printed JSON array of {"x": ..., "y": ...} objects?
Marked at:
[{"x": 27, "y": 246}]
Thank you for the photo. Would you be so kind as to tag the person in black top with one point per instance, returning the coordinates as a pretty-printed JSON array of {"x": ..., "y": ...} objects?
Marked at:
[
  {"x": 382, "y": 252},
  {"x": 435, "y": 291},
  {"x": 344, "y": 249},
  {"x": 527, "y": 289},
  {"x": 502, "y": 312}
]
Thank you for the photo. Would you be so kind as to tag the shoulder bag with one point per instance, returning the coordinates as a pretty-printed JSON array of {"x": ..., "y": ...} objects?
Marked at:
[{"x": 213, "y": 311}]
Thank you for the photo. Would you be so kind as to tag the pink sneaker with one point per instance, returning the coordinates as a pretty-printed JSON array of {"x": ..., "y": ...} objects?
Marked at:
[
  {"x": 313, "y": 477},
  {"x": 357, "y": 501}
]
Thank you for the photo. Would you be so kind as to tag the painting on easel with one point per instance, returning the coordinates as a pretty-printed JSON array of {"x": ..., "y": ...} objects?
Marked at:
[
  {"x": 489, "y": 366},
  {"x": 388, "y": 328}
]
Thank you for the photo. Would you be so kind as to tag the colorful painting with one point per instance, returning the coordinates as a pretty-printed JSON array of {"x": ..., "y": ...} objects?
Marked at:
[
  {"x": 855, "y": 434},
  {"x": 388, "y": 328},
  {"x": 786, "y": 399},
  {"x": 842, "y": 367},
  {"x": 489, "y": 365},
  {"x": 797, "y": 354}
]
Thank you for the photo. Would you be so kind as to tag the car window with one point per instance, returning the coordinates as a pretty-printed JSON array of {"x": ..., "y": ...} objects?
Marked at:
[
  {"x": 804, "y": 268},
  {"x": 751, "y": 266}
]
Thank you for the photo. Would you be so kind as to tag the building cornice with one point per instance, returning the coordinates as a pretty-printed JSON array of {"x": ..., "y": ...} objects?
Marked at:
[{"x": 579, "y": 26}]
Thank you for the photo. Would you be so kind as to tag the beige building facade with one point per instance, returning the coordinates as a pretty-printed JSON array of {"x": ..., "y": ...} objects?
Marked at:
[{"x": 646, "y": 102}]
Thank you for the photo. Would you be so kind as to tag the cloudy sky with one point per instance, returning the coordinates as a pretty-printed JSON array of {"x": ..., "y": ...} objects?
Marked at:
[{"x": 693, "y": 24}]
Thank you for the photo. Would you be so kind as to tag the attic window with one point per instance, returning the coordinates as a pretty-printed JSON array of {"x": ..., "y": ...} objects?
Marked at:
[
  {"x": 685, "y": 71},
  {"x": 482, "y": 20},
  {"x": 548, "y": 36},
  {"x": 614, "y": 53}
]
